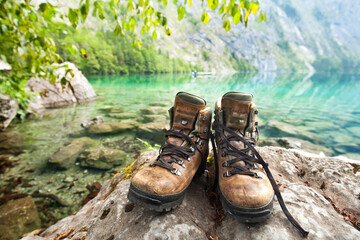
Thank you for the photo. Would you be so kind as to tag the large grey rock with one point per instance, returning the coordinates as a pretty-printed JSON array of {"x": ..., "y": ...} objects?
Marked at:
[
  {"x": 66, "y": 156},
  {"x": 102, "y": 158},
  {"x": 113, "y": 127},
  {"x": 8, "y": 110},
  {"x": 111, "y": 216},
  {"x": 76, "y": 90},
  {"x": 18, "y": 217}
]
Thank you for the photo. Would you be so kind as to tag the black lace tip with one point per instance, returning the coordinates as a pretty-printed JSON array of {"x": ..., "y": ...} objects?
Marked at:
[{"x": 304, "y": 233}]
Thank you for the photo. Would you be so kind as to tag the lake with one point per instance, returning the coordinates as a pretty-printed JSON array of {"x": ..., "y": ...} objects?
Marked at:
[{"x": 319, "y": 113}]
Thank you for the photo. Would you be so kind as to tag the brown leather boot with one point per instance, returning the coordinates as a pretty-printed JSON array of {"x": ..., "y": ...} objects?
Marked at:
[
  {"x": 162, "y": 185},
  {"x": 246, "y": 186}
]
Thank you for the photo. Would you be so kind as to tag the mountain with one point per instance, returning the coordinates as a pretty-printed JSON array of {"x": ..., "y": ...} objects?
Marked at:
[{"x": 297, "y": 36}]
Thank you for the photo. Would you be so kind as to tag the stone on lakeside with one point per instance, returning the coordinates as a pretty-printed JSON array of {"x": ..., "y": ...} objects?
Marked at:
[
  {"x": 122, "y": 115},
  {"x": 154, "y": 131},
  {"x": 102, "y": 158},
  {"x": 8, "y": 110},
  {"x": 111, "y": 216},
  {"x": 66, "y": 156},
  {"x": 112, "y": 109},
  {"x": 154, "y": 118},
  {"x": 161, "y": 104},
  {"x": 76, "y": 90}
]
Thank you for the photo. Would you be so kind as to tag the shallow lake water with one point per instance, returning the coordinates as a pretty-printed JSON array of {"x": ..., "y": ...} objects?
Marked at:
[{"x": 320, "y": 113}]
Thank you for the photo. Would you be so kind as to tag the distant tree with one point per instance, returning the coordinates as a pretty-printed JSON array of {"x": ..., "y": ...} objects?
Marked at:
[{"x": 27, "y": 33}]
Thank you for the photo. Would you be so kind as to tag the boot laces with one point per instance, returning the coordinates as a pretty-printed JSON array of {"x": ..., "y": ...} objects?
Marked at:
[
  {"x": 250, "y": 156},
  {"x": 176, "y": 153}
]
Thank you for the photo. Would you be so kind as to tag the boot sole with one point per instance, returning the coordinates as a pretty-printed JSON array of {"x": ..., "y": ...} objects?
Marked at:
[
  {"x": 247, "y": 215},
  {"x": 160, "y": 203}
]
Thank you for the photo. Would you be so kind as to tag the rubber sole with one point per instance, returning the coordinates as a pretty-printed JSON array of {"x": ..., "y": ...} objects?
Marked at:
[
  {"x": 247, "y": 215},
  {"x": 160, "y": 203}
]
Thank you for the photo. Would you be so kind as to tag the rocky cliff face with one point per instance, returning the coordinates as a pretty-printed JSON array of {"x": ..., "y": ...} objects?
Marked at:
[
  {"x": 322, "y": 193},
  {"x": 296, "y": 36}
]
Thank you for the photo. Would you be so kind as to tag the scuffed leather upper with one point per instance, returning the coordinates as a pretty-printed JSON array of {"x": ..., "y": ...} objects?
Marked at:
[{"x": 192, "y": 119}]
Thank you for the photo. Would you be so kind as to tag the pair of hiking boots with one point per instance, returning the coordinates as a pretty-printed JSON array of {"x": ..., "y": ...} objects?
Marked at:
[{"x": 244, "y": 182}]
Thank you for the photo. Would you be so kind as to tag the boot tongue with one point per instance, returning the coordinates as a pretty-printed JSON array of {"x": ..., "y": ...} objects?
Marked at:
[
  {"x": 236, "y": 109},
  {"x": 186, "y": 109}
]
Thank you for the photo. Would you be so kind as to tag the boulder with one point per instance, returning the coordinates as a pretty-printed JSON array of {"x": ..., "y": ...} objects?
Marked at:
[
  {"x": 8, "y": 110},
  {"x": 66, "y": 156},
  {"x": 113, "y": 127},
  {"x": 112, "y": 109},
  {"x": 123, "y": 115},
  {"x": 102, "y": 158},
  {"x": 18, "y": 217},
  {"x": 10, "y": 139},
  {"x": 153, "y": 111},
  {"x": 309, "y": 197},
  {"x": 153, "y": 131},
  {"x": 76, "y": 90}
]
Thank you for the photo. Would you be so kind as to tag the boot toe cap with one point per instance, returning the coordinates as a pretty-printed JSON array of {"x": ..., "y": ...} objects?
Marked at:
[{"x": 154, "y": 180}]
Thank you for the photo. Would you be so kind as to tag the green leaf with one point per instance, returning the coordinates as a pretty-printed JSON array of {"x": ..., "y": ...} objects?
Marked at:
[
  {"x": 73, "y": 17},
  {"x": 205, "y": 17},
  {"x": 138, "y": 43},
  {"x": 132, "y": 24},
  {"x": 84, "y": 10},
  {"x": 83, "y": 53},
  {"x": 117, "y": 30},
  {"x": 181, "y": 12},
  {"x": 236, "y": 18},
  {"x": 154, "y": 36},
  {"x": 227, "y": 25},
  {"x": 164, "y": 2},
  {"x": 143, "y": 30},
  {"x": 42, "y": 7}
]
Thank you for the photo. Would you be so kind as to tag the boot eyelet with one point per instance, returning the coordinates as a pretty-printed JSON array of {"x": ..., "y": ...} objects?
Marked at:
[
  {"x": 183, "y": 122},
  {"x": 256, "y": 112},
  {"x": 181, "y": 163},
  {"x": 175, "y": 172},
  {"x": 188, "y": 159},
  {"x": 227, "y": 174},
  {"x": 205, "y": 129},
  {"x": 223, "y": 154},
  {"x": 204, "y": 118},
  {"x": 225, "y": 164},
  {"x": 192, "y": 149}
]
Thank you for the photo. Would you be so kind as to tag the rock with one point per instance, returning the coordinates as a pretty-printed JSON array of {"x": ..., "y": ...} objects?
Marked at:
[
  {"x": 160, "y": 104},
  {"x": 68, "y": 179},
  {"x": 154, "y": 118},
  {"x": 76, "y": 90},
  {"x": 153, "y": 111},
  {"x": 296, "y": 143},
  {"x": 122, "y": 115},
  {"x": 154, "y": 131},
  {"x": 111, "y": 216},
  {"x": 95, "y": 121},
  {"x": 114, "y": 127},
  {"x": 66, "y": 156},
  {"x": 102, "y": 158},
  {"x": 10, "y": 139},
  {"x": 8, "y": 110},
  {"x": 112, "y": 109},
  {"x": 77, "y": 134},
  {"x": 18, "y": 217}
]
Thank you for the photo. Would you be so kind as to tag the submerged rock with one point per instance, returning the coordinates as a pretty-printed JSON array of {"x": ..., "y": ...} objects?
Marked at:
[
  {"x": 161, "y": 104},
  {"x": 76, "y": 90},
  {"x": 112, "y": 109},
  {"x": 154, "y": 131},
  {"x": 154, "y": 118},
  {"x": 95, "y": 121},
  {"x": 10, "y": 139},
  {"x": 111, "y": 216},
  {"x": 122, "y": 115},
  {"x": 66, "y": 156},
  {"x": 102, "y": 158},
  {"x": 113, "y": 127},
  {"x": 8, "y": 110},
  {"x": 18, "y": 217},
  {"x": 153, "y": 111}
]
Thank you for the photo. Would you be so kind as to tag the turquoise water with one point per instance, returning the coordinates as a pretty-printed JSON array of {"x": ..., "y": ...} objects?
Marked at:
[
  {"x": 323, "y": 109},
  {"x": 320, "y": 113}
]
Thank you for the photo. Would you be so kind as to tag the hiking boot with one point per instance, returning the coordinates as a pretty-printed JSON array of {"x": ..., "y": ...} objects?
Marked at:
[
  {"x": 245, "y": 183},
  {"x": 245, "y": 190},
  {"x": 162, "y": 185}
]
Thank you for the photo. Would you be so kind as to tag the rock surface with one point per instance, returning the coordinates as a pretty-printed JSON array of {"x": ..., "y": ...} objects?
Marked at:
[
  {"x": 111, "y": 216},
  {"x": 66, "y": 156},
  {"x": 8, "y": 110},
  {"x": 153, "y": 131},
  {"x": 102, "y": 158},
  {"x": 17, "y": 217},
  {"x": 10, "y": 139},
  {"x": 153, "y": 111},
  {"x": 76, "y": 90}
]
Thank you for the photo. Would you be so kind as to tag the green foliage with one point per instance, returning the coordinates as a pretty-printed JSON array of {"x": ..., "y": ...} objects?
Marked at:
[
  {"x": 336, "y": 65},
  {"x": 242, "y": 65},
  {"x": 109, "y": 55}
]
